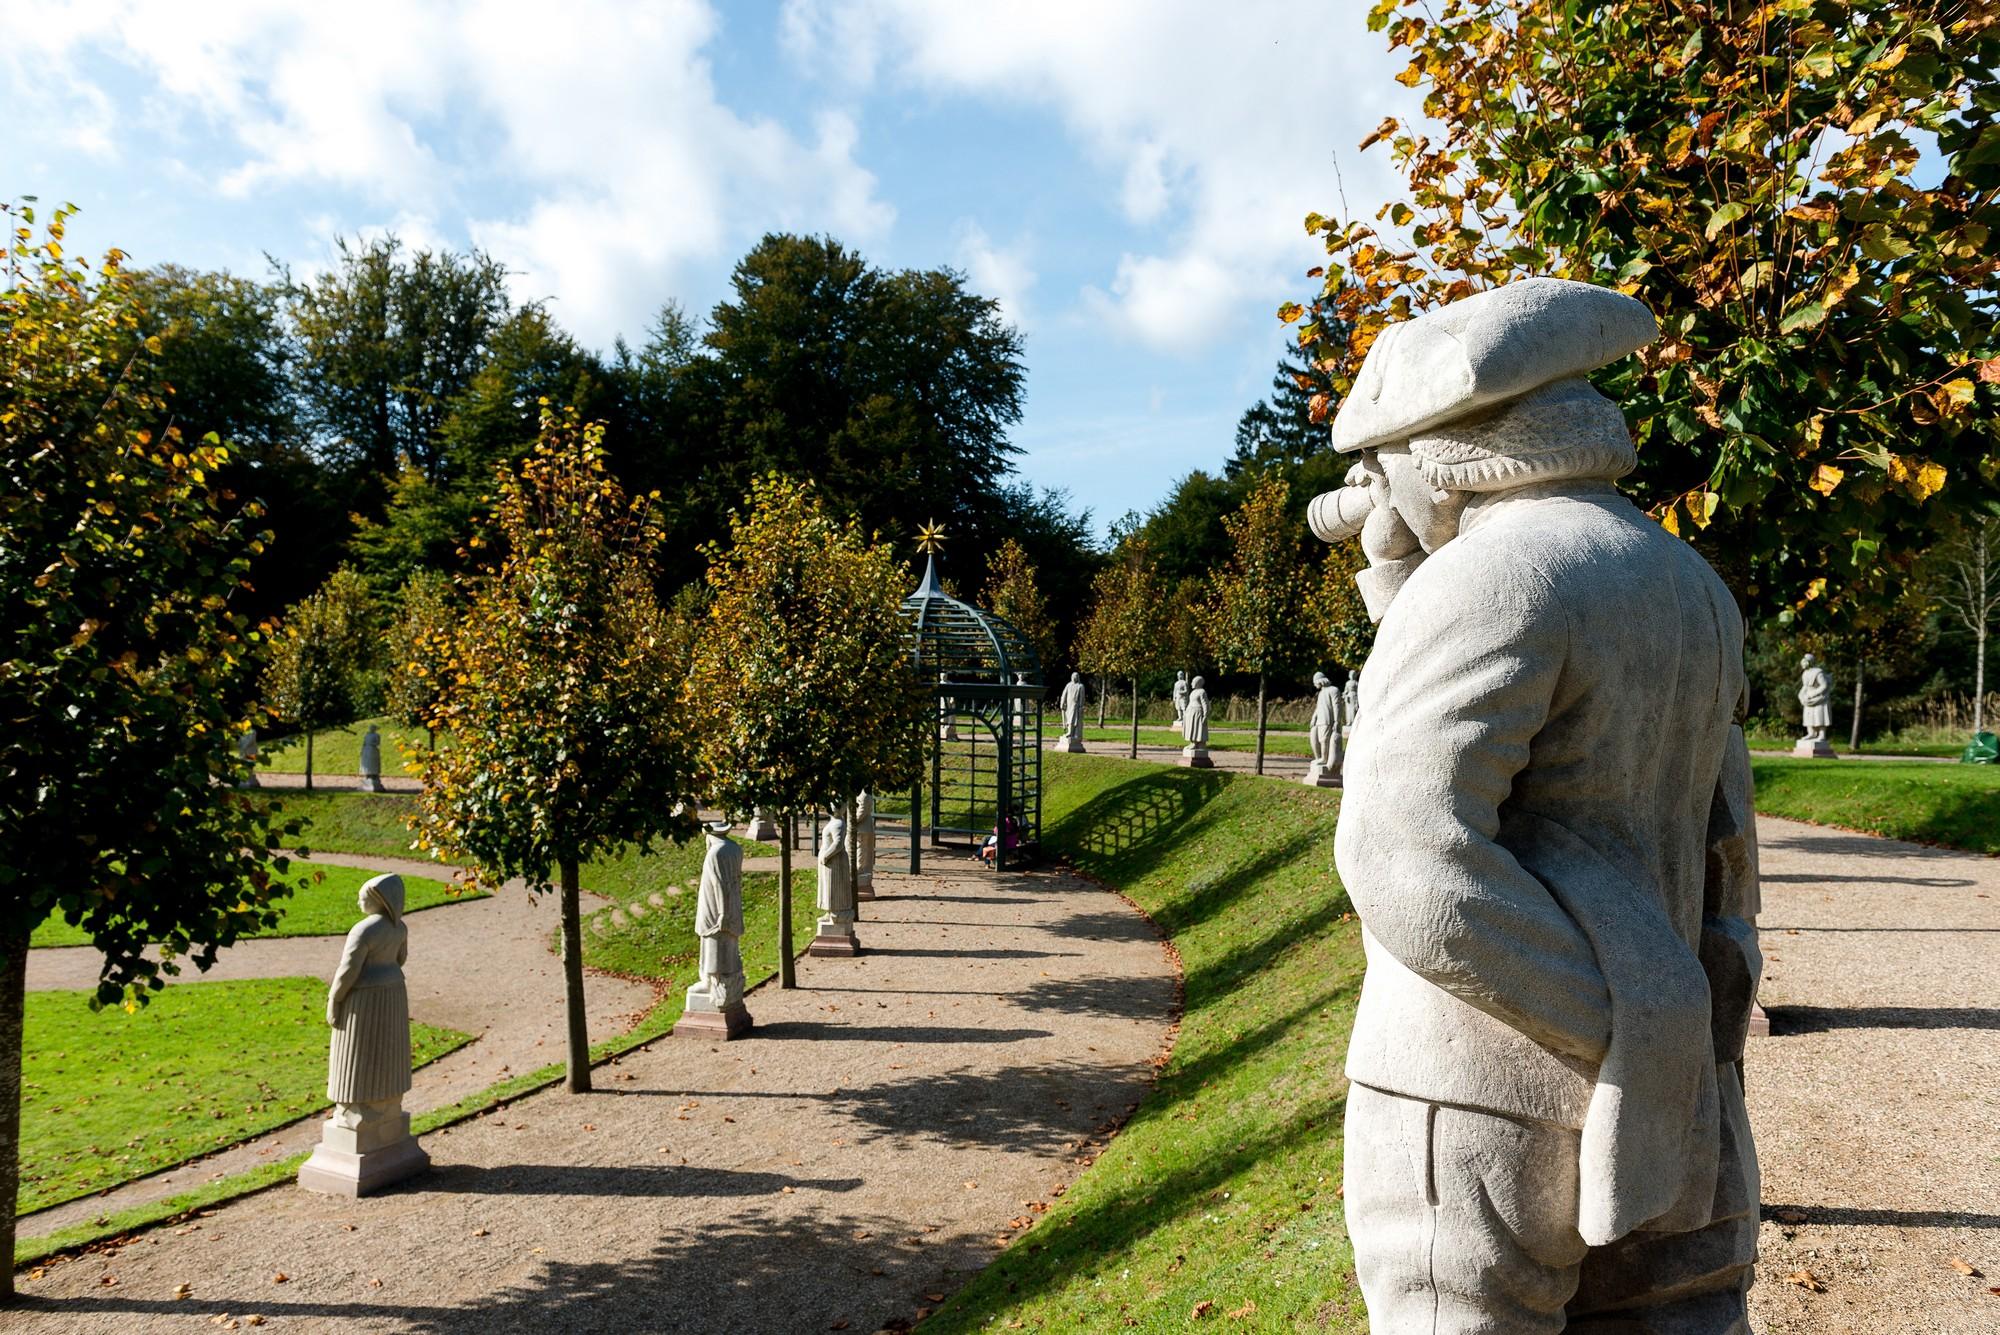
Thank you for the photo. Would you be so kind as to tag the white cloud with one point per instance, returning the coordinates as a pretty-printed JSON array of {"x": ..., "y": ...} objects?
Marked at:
[
  {"x": 1213, "y": 127},
  {"x": 1003, "y": 273},
  {"x": 601, "y": 117}
]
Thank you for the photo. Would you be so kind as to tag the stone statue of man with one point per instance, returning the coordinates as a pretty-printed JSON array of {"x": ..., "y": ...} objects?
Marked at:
[
  {"x": 1350, "y": 702},
  {"x": 715, "y": 1002},
  {"x": 1546, "y": 1121},
  {"x": 835, "y": 935},
  {"x": 1180, "y": 701},
  {"x": 1324, "y": 734},
  {"x": 864, "y": 845},
  {"x": 1816, "y": 697},
  {"x": 371, "y": 760},
  {"x": 1195, "y": 724},
  {"x": 1072, "y": 714},
  {"x": 366, "y": 1142}
]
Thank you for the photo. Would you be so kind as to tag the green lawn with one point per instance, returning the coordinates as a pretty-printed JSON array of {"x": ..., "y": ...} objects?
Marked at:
[
  {"x": 337, "y": 751},
  {"x": 349, "y": 822},
  {"x": 1275, "y": 743},
  {"x": 110, "y": 1096},
  {"x": 324, "y": 908},
  {"x": 650, "y": 931},
  {"x": 1884, "y": 746},
  {"x": 1223, "y": 1189},
  {"x": 1957, "y": 806}
]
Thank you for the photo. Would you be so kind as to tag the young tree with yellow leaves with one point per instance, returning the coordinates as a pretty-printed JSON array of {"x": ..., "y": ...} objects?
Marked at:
[
  {"x": 561, "y": 696},
  {"x": 1254, "y": 617}
]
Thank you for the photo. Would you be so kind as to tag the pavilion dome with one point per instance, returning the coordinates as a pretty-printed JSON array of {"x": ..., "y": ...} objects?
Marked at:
[{"x": 963, "y": 642}]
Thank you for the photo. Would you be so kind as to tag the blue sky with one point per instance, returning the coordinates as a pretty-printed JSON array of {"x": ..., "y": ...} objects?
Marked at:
[{"x": 1127, "y": 178}]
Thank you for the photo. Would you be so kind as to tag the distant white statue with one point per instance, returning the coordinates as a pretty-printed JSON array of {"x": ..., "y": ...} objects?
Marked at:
[
  {"x": 1324, "y": 771},
  {"x": 1180, "y": 702},
  {"x": 947, "y": 721},
  {"x": 1350, "y": 703},
  {"x": 836, "y": 894},
  {"x": 864, "y": 845},
  {"x": 371, "y": 761},
  {"x": 763, "y": 829},
  {"x": 1195, "y": 754},
  {"x": 246, "y": 751},
  {"x": 1072, "y": 714},
  {"x": 366, "y": 1143},
  {"x": 1816, "y": 696},
  {"x": 715, "y": 1002}
]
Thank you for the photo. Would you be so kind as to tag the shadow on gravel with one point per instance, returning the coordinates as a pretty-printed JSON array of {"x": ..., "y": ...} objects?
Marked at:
[
  {"x": 1823, "y": 1019},
  {"x": 1831, "y": 1214},
  {"x": 974, "y": 954},
  {"x": 1929, "y": 882},
  {"x": 894, "y": 1033},
  {"x": 1120, "y": 997},
  {"x": 533, "y": 1179}
]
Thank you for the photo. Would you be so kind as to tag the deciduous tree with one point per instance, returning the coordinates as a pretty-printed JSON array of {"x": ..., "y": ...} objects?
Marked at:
[
  {"x": 121, "y": 568},
  {"x": 322, "y": 648},
  {"x": 1126, "y": 633},
  {"x": 1254, "y": 614},
  {"x": 1014, "y": 594},
  {"x": 801, "y": 685},
  {"x": 420, "y": 650},
  {"x": 1966, "y": 585},
  {"x": 562, "y": 698}
]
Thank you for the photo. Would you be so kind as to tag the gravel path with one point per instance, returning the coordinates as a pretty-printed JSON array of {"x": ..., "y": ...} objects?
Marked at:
[
  {"x": 483, "y": 968},
  {"x": 1877, "y": 1100},
  {"x": 875, "y": 1140},
  {"x": 1243, "y": 762}
]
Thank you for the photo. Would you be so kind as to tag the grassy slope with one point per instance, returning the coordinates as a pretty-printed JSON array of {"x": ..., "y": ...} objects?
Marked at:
[
  {"x": 324, "y": 908},
  {"x": 1954, "y": 805},
  {"x": 1223, "y": 1187},
  {"x": 337, "y": 751},
  {"x": 110, "y": 1096}
]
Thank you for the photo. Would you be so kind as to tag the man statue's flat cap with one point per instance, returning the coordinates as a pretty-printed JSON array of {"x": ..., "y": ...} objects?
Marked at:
[{"x": 1484, "y": 349}]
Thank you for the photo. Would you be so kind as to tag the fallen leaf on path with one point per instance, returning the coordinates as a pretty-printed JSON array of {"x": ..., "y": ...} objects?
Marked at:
[
  {"x": 934, "y": 1297},
  {"x": 374, "y": 1283},
  {"x": 786, "y": 1190},
  {"x": 1962, "y": 1266},
  {"x": 1789, "y": 1216},
  {"x": 1806, "y": 1280},
  {"x": 183, "y": 1290},
  {"x": 281, "y": 1278},
  {"x": 478, "y": 1232},
  {"x": 838, "y": 1325},
  {"x": 253, "y": 1320}
]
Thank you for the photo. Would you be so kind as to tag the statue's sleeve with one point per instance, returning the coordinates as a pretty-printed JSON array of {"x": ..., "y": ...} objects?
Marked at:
[
  {"x": 1730, "y": 902},
  {"x": 1460, "y": 682},
  {"x": 353, "y": 960}
]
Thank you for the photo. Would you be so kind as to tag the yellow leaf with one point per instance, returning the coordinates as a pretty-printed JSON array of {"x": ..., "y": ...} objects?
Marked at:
[
  {"x": 1670, "y": 521},
  {"x": 1928, "y": 482},
  {"x": 1825, "y": 478},
  {"x": 1815, "y": 589},
  {"x": 1703, "y": 508},
  {"x": 1958, "y": 392}
]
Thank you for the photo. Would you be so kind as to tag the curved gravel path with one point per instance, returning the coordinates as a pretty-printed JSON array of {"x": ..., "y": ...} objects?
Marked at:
[
  {"x": 881, "y": 1134},
  {"x": 483, "y": 967}
]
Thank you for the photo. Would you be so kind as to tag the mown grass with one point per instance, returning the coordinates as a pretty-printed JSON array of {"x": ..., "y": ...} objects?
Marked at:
[
  {"x": 1955, "y": 806},
  {"x": 337, "y": 751},
  {"x": 648, "y": 931},
  {"x": 1893, "y": 745},
  {"x": 1224, "y": 1187},
  {"x": 1275, "y": 743},
  {"x": 325, "y": 907},
  {"x": 112, "y": 1095}
]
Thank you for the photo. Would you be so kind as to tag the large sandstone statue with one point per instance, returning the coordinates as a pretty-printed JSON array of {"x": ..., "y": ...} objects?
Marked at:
[
  {"x": 1194, "y": 725},
  {"x": 1546, "y": 1121},
  {"x": 1816, "y": 699},
  {"x": 714, "y": 1007},
  {"x": 1324, "y": 734},
  {"x": 835, "y": 934},
  {"x": 366, "y": 1143},
  {"x": 1072, "y": 714}
]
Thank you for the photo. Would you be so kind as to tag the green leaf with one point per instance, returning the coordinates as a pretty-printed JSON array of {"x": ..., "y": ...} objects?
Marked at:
[
  {"x": 1725, "y": 215},
  {"x": 1809, "y": 316}
]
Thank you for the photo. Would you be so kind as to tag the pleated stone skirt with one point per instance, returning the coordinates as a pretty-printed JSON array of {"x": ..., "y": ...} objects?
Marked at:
[{"x": 370, "y": 1056}]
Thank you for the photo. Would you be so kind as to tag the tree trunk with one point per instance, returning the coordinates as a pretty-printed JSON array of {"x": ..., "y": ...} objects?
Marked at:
[
  {"x": 1854, "y": 728},
  {"x": 572, "y": 960},
  {"x": 1260, "y": 723},
  {"x": 13, "y": 990},
  {"x": 1103, "y": 690},
  {"x": 1979, "y": 680},
  {"x": 1135, "y": 718},
  {"x": 309, "y": 761},
  {"x": 786, "y": 976}
]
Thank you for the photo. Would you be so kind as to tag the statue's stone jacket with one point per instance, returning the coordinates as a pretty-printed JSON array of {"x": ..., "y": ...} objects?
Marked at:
[{"x": 1546, "y": 798}]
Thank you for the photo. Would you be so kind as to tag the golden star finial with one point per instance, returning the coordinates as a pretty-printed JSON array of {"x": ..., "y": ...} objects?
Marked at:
[{"x": 930, "y": 538}]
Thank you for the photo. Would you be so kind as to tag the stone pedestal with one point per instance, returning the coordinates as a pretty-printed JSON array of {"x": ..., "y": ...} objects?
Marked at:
[
  {"x": 358, "y": 1160},
  {"x": 1196, "y": 757},
  {"x": 1321, "y": 778},
  {"x": 716, "y": 1026},
  {"x": 1760, "y": 1023},
  {"x": 1072, "y": 745},
  {"x": 372, "y": 783},
  {"x": 762, "y": 830},
  {"x": 948, "y": 733},
  {"x": 835, "y": 936},
  {"x": 1813, "y": 748},
  {"x": 864, "y": 885}
]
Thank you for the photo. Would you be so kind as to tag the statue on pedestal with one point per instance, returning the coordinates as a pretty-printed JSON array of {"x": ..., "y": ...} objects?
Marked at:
[
  {"x": 1180, "y": 702},
  {"x": 1545, "y": 1123},
  {"x": 1195, "y": 725},
  {"x": 371, "y": 761},
  {"x": 246, "y": 751},
  {"x": 762, "y": 830},
  {"x": 366, "y": 1143},
  {"x": 1350, "y": 703},
  {"x": 1816, "y": 698},
  {"x": 1072, "y": 715},
  {"x": 835, "y": 935},
  {"x": 1324, "y": 771},
  {"x": 714, "y": 1006},
  {"x": 864, "y": 845}
]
